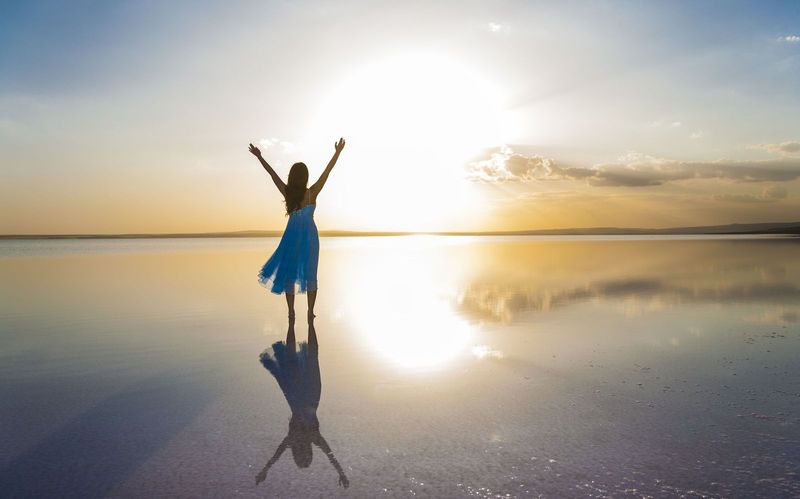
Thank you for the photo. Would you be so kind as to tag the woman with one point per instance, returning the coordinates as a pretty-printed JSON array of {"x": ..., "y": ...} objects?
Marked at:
[
  {"x": 298, "y": 375},
  {"x": 294, "y": 263}
]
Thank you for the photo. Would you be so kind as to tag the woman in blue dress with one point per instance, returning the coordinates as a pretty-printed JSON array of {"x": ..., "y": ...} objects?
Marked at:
[
  {"x": 296, "y": 369},
  {"x": 293, "y": 266}
]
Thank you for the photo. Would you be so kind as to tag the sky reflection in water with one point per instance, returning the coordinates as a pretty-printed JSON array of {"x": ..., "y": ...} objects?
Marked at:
[{"x": 450, "y": 366}]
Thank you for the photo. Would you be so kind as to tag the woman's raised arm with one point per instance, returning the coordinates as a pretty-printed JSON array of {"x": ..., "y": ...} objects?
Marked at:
[
  {"x": 263, "y": 473},
  {"x": 320, "y": 442},
  {"x": 319, "y": 184},
  {"x": 275, "y": 178}
]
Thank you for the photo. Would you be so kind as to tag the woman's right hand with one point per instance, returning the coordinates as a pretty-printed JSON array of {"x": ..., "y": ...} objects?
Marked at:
[
  {"x": 255, "y": 151},
  {"x": 339, "y": 145}
]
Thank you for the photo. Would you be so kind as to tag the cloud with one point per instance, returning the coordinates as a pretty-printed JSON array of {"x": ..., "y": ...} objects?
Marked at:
[
  {"x": 665, "y": 124},
  {"x": 508, "y": 166},
  {"x": 268, "y": 143},
  {"x": 769, "y": 194},
  {"x": 495, "y": 301},
  {"x": 789, "y": 147},
  {"x": 633, "y": 170},
  {"x": 738, "y": 198},
  {"x": 697, "y": 134},
  {"x": 789, "y": 39},
  {"x": 775, "y": 192},
  {"x": 287, "y": 147},
  {"x": 497, "y": 27}
]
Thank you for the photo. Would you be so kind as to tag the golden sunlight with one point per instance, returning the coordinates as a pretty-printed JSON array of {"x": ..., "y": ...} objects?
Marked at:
[
  {"x": 420, "y": 117},
  {"x": 401, "y": 307}
]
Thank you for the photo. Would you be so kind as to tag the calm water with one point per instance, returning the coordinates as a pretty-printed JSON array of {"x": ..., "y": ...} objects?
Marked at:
[{"x": 449, "y": 367}]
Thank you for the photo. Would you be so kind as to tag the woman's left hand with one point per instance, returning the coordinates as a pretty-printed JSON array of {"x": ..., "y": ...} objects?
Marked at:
[{"x": 339, "y": 145}]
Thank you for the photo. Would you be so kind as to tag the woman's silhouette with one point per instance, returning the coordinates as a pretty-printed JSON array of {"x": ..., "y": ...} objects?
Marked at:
[
  {"x": 294, "y": 263},
  {"x": 297, "y": 374}
]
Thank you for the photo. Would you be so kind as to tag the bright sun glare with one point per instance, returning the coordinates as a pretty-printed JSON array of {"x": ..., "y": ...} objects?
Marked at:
[
  {"x": 412, "y": 122},
  {"x": 400, "y": 307}
]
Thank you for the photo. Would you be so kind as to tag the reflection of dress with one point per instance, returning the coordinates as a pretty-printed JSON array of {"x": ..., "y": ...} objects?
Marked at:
[
  {"x": 295, "y": 260},
  {"x": 296, "y": 369},
  {"x": 297, "y": 373}
]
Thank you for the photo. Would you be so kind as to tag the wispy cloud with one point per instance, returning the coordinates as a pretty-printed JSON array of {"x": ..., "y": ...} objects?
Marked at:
[
  {"x": 504, "y": 301},
  {"x": 633, "y": 170},
  {"x": 790, "y": 39},
  {"x": 697, "y": 134},
  {"x": 497, "y": 27},
  {"x": 738, "y": 198},
  {"x": 665, "y": 124},
  {"x": 769, "y": 194},
  {"x": 789, "y": 147},
  {"x": 287, "y": 147},
  {"x": 775, "y": 192}
]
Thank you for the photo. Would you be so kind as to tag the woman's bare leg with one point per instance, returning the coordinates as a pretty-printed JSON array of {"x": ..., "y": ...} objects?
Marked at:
[
  {"x": 312, "y": 334},
  {"x": 290, "y": 304},
  {"x": 312, "y": 298},
  {"x": 291, "y": 344}
]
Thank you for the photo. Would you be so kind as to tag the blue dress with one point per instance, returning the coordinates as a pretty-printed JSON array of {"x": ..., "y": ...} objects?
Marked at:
[
  {"x": 298, "y": 375},
  {"x": 293, "y": 266}
]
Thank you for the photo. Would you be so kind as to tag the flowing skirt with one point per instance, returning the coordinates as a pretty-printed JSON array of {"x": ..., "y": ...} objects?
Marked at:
[
  {"x": 298, "y": 376},
  {"x": 293, "y": 265}
]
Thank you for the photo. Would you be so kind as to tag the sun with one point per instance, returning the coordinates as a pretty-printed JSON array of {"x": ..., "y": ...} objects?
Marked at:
[{"x": 412, "y": 122}]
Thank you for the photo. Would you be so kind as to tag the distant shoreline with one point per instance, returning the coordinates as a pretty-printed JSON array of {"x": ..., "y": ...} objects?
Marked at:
[{"x": 778, "y": 228}]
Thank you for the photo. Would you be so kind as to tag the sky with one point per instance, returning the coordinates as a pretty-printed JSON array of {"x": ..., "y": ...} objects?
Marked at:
[{"x": 134, "y": 117}]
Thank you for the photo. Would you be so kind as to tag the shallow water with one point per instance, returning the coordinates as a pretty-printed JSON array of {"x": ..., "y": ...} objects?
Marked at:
[{"x": 450, "y": 366}]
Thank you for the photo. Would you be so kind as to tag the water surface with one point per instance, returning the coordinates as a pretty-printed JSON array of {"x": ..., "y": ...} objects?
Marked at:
[{"x": 449, "y": 366}]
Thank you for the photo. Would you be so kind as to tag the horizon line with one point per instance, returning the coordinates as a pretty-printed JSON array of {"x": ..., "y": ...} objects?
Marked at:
[{"x": 735, "y": 228}]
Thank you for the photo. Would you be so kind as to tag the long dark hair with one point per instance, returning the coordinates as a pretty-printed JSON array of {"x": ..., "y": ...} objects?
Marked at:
[
  {"x": 300, "y": 437},
  {"x": 296, "y": 187}
]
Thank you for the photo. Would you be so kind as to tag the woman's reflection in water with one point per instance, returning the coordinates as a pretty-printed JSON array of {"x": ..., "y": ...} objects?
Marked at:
[{"x": 297, "y": 373}]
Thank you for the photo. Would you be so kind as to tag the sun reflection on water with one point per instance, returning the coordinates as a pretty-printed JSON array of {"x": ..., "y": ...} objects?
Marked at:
[
  {"x": 404, "y": 310},
  {"x": 426, "y": 335}
]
